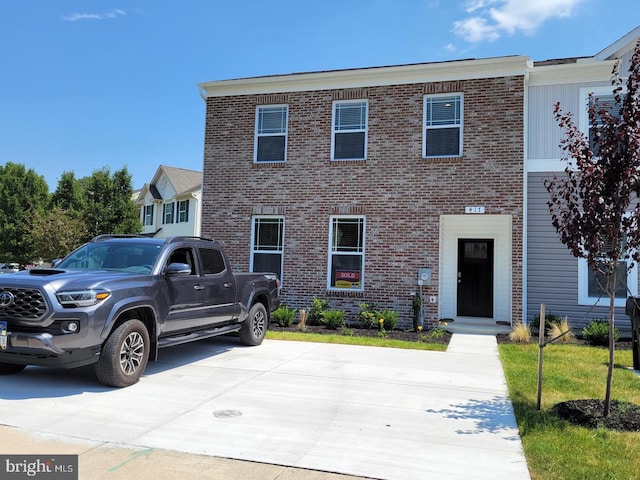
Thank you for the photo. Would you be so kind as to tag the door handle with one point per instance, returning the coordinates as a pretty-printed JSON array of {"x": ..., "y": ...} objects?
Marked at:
[
  {"x": 198, "y": 287},
  {"x": 227, "y": 285}
]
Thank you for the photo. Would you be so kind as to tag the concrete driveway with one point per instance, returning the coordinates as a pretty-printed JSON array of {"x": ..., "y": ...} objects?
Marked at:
[{"x": 370, "y": 412}]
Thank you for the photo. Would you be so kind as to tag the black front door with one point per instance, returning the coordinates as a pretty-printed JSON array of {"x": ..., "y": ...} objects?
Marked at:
[{"x": 475, "y": 278}]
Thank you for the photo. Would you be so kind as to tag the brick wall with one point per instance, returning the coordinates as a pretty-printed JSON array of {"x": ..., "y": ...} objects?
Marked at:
[{"x": 401, "y": 194}]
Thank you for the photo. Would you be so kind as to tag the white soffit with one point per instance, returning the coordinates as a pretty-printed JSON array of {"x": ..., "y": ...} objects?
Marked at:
[
  {"x": 369, "y": 77},
  {"x": 571, "y": 73}
]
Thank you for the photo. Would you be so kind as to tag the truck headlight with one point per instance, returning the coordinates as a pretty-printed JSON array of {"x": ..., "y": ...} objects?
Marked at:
[{"x": 82, "y": 298}]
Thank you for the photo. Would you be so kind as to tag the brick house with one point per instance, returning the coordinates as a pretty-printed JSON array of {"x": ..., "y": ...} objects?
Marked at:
[{"x": 350, "y": 183}]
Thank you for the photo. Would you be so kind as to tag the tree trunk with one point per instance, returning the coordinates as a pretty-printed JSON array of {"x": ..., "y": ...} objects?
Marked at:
[{"x": 611, "y": 290}]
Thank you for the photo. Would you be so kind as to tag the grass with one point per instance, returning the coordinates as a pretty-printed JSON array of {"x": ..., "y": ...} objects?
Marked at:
[
  {"x": 553, "y": 448},
  {"x": 353, "y": 340}
]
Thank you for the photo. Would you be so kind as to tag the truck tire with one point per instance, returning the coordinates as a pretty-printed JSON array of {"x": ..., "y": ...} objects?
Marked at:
[
  {"x": 10, "y": 368},
  {"x": 255, "y": 325},
  {"x": 124, "y": 355}
]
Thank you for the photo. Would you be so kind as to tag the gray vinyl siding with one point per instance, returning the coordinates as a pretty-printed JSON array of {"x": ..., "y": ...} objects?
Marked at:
[
  {"x": 544, "y": 133},
  {"x": 552, "y": 272}
]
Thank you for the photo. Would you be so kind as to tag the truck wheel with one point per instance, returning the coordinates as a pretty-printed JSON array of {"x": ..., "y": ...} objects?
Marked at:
[
  {"x": 10, "y": 368},
  {"x": 124, "y": 355},
  {"x": 255, "y": 325}
]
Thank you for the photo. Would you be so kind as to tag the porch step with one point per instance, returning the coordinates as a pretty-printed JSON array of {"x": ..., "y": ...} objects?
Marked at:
[{"x": 480, "y": 328}]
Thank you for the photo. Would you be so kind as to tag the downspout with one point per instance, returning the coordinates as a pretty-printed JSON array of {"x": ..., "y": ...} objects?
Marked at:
[{"x": 525, "y": 186}]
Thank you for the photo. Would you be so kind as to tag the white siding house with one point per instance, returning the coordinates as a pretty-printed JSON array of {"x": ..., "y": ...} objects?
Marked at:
[
  {"x": 553, "y": 276},
  {"x": 170, "y": 204}
]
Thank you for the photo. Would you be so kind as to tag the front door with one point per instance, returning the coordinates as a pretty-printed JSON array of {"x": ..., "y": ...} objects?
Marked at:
[{"x": 475, "y": 278}]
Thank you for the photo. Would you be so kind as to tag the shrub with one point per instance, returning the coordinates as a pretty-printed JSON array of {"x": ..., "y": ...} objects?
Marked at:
[
  {"x": 390, "y": 319},
  {"x": 520, "y": 333},
  {"x": 549, "y": 320},
  {"x": 284, "y": 316},
  {"x": 597, "y": 333},
  {"x": 318, "y": 306},
  {"x": 556, "y": 330},
  {"x": 367, "y": 317},
  {"x": 333, "y": 319}
]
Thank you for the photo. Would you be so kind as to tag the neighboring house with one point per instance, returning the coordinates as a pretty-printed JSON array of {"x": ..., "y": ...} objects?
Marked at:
[
  {"x": 554, "y": 277},
  {"x": 170, "y": 204},
  {"x": 349, "y": 184}
]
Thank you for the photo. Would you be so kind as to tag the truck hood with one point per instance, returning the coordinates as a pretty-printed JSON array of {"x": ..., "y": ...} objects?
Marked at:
[{"x": 58, "y": 279}]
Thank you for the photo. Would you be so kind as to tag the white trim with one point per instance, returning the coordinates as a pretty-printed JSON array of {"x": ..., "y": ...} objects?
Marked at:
[
  {"x": 330, "y": 252},
  {"x": 566, "y": 73},
  {"x": 459, "y": 125},
  {"x": 369, "y": 77},
  {"x": 496, "y": 227},
  {"x": 334, "y": 131},
  {"x": 257, "y": 136},
  {"x": 253, "y": 250},
  {"x": 583, "y": 286}
]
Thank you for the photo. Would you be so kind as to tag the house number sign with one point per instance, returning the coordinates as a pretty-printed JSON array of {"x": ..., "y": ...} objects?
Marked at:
[{"x": 474, "y": 209}]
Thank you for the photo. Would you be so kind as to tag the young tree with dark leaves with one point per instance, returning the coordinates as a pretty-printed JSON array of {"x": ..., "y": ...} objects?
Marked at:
[{"x": 595, "y": 208}]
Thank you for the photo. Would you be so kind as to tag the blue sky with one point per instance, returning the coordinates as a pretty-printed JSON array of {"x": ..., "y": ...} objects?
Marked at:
[{"x": 88, "y": 84}]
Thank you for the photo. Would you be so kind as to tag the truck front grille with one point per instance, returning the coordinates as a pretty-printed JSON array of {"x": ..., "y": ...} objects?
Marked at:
[{"x": 26, "y": 303}]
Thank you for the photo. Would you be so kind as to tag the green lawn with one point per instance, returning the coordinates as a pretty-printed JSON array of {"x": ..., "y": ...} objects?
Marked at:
[{"x": 554, "y": 448}]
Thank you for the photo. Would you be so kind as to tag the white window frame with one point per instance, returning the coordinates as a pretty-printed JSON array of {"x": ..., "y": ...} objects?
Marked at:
[
  {"x": 148, "y": 215},
  {"x": 167, "y": 213},
  {"x": 333, "y": 221},
  {"x": 259, "y": 134},
  {"x": 277, "y": 251},
  {"x": 458, "y": 122},
  {"x": 598, "y": 92},
  {"x": 335, "y": 130},
  {"x": 183, "y": 211},
  {"x": 603, "y": 300}
]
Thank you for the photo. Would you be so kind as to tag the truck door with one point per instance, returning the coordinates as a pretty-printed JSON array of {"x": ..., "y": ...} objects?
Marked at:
[
  {"x": 185, "y": 293},
  {"x": 219, "y": 293}
]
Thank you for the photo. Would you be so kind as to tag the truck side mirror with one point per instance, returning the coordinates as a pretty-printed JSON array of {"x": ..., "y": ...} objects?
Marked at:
[{"x": 178, "y": 270}]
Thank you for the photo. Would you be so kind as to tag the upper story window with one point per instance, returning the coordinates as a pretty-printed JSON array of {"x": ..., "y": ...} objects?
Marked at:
[
  {"x": 346, "y": 253},
  {"x": 442, "y": 125},
  {"x": 350, "y": 124},
  {"x": 167, "y": 213},
  {"x": 267, "y": 244},
  {"x": 271, "y": 133},
  {"x": 183, "y": 211},
  {"x": 148, "y": 215},
  {"x": 604, "y": 100}
]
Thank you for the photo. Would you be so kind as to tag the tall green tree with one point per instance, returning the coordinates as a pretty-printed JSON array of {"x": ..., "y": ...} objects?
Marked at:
[
  {"x": 23, "y": 193},
  {"x": 69, "y": 195},
  {"x": 109, "y": 206},
  {"x": 55, "y": 232},
  {"x": 594, "y": 207}
]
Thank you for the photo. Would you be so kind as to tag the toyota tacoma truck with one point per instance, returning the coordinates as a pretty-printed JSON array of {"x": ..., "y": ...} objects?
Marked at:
[{"x": 115, "y": 301}]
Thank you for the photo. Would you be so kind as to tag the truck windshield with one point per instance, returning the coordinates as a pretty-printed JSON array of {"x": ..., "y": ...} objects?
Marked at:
[{"x": 125, "y": 257}]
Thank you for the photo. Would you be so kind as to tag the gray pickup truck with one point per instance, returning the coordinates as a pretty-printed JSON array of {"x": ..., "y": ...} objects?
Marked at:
[{"x": 115, "y": 301}]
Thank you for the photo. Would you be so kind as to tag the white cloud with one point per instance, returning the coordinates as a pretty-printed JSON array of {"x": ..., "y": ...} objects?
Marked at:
[
  {"x": 74, "y": 17},
  {"x": 493, "y": 18}
]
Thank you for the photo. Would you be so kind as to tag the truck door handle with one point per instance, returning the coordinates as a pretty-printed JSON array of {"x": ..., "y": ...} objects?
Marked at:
[
  {"x": 198, "y": 287},
  {"x": 227, "y": 285}
]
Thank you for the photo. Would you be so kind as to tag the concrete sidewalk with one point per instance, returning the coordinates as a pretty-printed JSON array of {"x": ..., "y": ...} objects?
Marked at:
[{"x": 285, "y": 410}]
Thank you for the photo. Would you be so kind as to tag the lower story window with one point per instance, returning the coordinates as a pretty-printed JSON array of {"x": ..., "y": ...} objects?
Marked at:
[
  {"x": 267, "y": 244},
  {"x": 592, "y": 284},
  {"x": 346, "y": 253}
]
